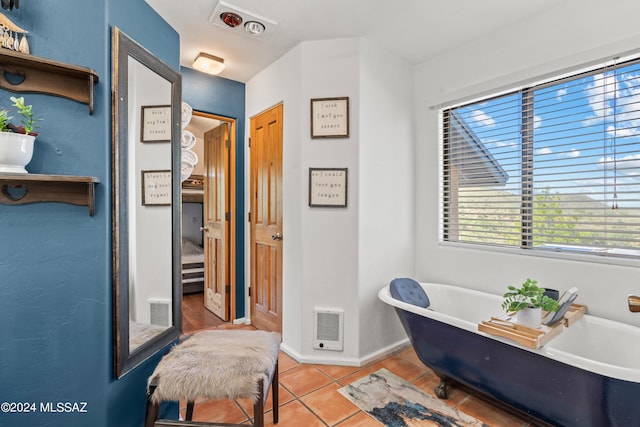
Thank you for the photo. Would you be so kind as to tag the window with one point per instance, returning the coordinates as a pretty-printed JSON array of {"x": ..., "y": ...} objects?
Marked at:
[{"x": 552, "y": 166}]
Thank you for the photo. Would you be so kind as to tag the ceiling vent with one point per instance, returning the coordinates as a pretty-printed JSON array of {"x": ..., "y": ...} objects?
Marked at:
[{"x": 241, "y": 21}]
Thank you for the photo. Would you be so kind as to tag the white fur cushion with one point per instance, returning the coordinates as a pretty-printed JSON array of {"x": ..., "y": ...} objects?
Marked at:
[{"x": 224, "y": 364}]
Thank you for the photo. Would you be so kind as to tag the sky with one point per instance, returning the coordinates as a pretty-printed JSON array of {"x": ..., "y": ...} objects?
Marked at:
[{"x": 586, "y": 135}]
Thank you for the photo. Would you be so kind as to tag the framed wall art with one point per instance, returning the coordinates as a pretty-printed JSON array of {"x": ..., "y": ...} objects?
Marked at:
[
  {"x": 155, "y": 123},
  {"x": 328, "y": 187},
  {"x": 156, "y": 188},
  {"x": 330, "y": 117}
]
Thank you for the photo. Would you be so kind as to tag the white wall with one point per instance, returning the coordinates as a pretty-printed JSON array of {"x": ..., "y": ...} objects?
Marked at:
[
  {"x": 572, "y": 34},
  {"x": 329, "y": 243},
  {"x": 325, "y": 264},
  {"x": 387, "y": 190}
]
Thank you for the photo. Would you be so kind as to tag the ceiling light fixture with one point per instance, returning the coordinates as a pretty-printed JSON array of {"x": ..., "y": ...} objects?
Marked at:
[
  {"x": 254, "y": 28},
  {"x": 241, "y": 21},
  {"x": 208, "y": 63},
  {"x": 231, "y": 19}
]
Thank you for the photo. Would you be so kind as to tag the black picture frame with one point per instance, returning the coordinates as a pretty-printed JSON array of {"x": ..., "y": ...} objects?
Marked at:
[
  {"x": 328, "y": 187},
  {"x": 155, "y": 123},
  {"x": 156, "y": 187},
  {"x": 330, "y": 117}
]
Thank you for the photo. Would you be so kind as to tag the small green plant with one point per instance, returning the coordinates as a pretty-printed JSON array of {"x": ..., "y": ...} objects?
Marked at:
[
  {"x": 27, "y": 119},
  {"x": 528, "y": 295},
  {"x": 26, "y": 112}
]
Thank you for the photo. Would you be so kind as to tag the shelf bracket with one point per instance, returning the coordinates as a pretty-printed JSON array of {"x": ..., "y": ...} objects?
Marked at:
[{"x": 24, "y": 73}]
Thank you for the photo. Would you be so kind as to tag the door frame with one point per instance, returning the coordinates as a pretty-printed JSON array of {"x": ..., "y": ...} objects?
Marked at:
[{"x": 233, "y": 241}]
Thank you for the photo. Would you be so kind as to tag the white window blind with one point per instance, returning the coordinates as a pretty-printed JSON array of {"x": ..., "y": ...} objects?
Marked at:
[{"x": 554, "y": 166}]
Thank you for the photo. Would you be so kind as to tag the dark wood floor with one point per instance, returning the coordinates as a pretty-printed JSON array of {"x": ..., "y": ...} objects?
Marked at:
[{"x": 195, "y": 316}]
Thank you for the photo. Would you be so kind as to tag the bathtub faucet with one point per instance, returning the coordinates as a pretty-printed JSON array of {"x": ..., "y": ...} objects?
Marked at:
[{"x": 634, "y": 303}]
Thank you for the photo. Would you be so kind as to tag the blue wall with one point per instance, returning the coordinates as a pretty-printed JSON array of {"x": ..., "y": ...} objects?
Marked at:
[
  {"x": 55, "y": 260},
  {"x": 223, "y": 97}
]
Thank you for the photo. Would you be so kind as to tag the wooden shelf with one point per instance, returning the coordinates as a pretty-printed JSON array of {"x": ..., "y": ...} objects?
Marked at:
[
  {"x": 27, "y": 73},
  {"x": 23, "y": 189}
]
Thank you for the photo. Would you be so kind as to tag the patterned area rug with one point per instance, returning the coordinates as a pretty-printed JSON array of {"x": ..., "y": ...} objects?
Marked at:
[{"x": 397, "y": 403}]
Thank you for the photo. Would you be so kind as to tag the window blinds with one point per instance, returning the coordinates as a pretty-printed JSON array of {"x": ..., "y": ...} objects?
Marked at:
[{"x": 548, "y": 167}]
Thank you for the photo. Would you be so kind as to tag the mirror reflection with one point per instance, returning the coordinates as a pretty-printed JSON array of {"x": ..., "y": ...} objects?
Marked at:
[
  {"x": 149, "y": 200},
  {"x": 208, "y": 210},
  {"x": 146, "y": 201}
]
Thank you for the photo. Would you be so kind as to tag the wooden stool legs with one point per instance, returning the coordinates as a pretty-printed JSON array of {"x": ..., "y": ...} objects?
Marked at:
[
  {"x": 258, "y": 407},
  {"x": 189, "y": 414},
  {"x": 274, "y": 393},
  {"x": 152, "y": 408}
]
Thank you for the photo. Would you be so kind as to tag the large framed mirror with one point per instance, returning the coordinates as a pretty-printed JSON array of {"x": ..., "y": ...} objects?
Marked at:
[{"x": 146, "y": 203}]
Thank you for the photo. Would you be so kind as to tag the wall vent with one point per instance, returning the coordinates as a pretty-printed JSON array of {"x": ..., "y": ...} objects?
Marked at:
[
  {"x": 328, "y": 329},
  {"x": 160, "y": 312}
]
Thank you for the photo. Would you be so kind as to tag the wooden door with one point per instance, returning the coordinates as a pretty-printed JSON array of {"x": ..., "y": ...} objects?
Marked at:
[
  {"x": 216, "y": 221},
  {"x": 266, "y": 219}
]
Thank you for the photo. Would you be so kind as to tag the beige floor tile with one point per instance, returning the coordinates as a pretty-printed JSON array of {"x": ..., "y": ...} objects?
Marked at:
[
  {"x": 285, "y": 362},
  {"x": 304, "y": 379},
  {"x": 283, "y": 397},
  {"x": 329, "y": 405},
  {"x": 400, "y": 367},
  {"x": 361, "y": 419},
  {"x": 410, "y": 355},
  {"x": 363, "y": 372},
  {"x": 337, "y": 372},
  {"x": 294, "y": 414}
]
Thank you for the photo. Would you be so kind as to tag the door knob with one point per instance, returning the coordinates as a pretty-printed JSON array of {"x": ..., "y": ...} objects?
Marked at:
[
  {"x": 204, "y": 228},
  {"x": 276, "y": 236}
]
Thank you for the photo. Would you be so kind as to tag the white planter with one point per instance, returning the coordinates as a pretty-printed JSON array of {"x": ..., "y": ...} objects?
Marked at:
[
  {"x": 530, "y": 317},
  {"x": 16, "y": 150}
]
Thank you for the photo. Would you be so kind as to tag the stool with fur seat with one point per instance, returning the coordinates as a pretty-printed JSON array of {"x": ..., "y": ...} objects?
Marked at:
[{"x": 215, "y": 365}]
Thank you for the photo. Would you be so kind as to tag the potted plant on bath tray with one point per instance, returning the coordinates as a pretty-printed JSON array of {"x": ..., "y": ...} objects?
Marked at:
[
  {"x": 16, "y": 142},
  {"x": 527, "y": 302}
]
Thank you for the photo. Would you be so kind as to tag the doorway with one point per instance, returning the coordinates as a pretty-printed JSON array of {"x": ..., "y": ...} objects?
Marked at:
[
  {"x": 266, "y": 221},
  {"x": 209, "y": 206}
]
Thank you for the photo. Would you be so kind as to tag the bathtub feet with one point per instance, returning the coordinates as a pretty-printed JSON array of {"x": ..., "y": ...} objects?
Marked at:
[{"x": 441, "y": 389}]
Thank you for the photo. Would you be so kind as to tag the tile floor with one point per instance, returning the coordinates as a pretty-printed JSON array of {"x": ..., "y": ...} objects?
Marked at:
[
  {"x": 309, "y": 396},
  {"x": 308, "y": 392}
]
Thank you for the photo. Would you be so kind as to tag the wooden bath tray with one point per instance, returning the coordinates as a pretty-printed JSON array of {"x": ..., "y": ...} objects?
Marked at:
[
  {"x": 574, "y": 313},
  {"x": 505, "y": 326}
]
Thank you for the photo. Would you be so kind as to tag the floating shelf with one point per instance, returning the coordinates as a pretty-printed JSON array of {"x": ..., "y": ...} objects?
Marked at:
[
  {"x": 20, "y": 73},
  {"x": 23, "y": 189}
]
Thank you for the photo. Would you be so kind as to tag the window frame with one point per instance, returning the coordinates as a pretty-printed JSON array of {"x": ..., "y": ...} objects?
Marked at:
[{"x": 526, "y": 247}]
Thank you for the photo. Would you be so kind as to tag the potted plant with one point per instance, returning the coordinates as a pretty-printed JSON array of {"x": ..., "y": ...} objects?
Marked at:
[
  {"x": 16, "y": 141},
  {"x": 528, "y": 301}
]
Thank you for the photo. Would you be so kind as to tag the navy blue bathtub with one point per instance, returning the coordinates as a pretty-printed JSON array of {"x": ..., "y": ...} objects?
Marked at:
[{"x": 543, "y": 384}]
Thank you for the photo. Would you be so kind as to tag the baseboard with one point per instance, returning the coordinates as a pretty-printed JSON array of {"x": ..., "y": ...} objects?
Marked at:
[
  {"x": 372, "y": 357},
  {"x": 344, "y": 361}
]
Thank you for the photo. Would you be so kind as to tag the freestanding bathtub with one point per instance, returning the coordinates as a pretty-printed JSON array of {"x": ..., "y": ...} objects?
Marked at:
[{"x": 589, "y": 375}]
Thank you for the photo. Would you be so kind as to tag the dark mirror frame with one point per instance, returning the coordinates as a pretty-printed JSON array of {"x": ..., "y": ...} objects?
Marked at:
[{"x": 124, "y": 47}]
